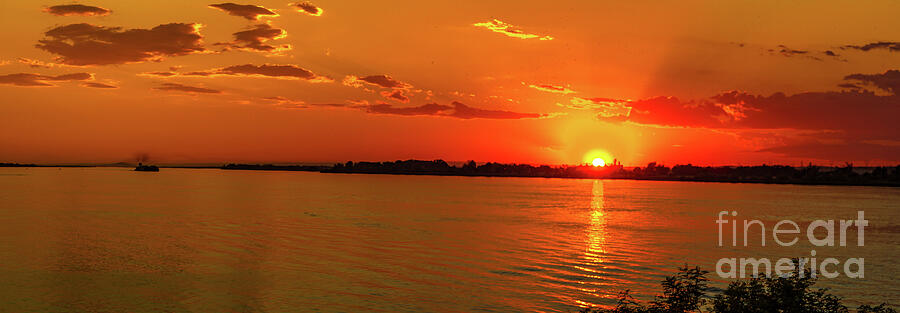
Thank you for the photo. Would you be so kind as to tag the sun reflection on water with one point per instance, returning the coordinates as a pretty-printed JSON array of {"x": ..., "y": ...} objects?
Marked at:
[{"x": 596, "y": 232}]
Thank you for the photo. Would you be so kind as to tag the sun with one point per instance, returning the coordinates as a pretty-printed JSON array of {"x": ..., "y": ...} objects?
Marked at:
[{"x": 597, "y": 157}]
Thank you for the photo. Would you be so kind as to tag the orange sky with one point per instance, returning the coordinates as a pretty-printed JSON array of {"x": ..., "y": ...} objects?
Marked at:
[{"x": 707, "y": 82}]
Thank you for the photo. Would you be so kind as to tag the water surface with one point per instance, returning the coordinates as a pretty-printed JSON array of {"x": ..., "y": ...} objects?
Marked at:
[{"x": 113, "y": 240}]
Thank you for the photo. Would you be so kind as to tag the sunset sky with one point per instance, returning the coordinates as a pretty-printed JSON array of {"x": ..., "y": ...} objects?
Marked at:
[{"x": 705, "y": 82}]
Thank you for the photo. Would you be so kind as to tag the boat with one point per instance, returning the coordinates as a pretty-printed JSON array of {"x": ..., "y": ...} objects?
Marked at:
[{"x": 146, "y": 168}]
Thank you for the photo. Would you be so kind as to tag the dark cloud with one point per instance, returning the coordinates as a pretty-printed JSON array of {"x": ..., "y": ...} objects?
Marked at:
[
  {"x": 396, "y": 95},
  {"x": 247, "y": 11},
  {"x": 851, "y": 117},
  {"x": 466, "y": 112},
  {"x": 86, "y": 44},
  {"x": 889, "y": 81},
  {"x": 892, "y": 46},
  {"x": 833, "y": 55},
  {"x": 788, "y": 52},
  {"x": 425, "y": 109},
  {"x": 185, "y": 88},
  {"x": 255, "y": 39},
  {"x": 99, "y": 85},
  {"x": 849, "y": 86},
  {"x": 847, "y": 111},
  {"x": 161, "y": 74},
  {"x": 284, "y": 71},
  {"x": 308, "y": 8},
  {"x": 383, "y": 81},
  {"x": 38, "y": 80},
  {"x": 76, "y": 9},
  {"x": 265, "y": 70},
  {"x": 457, "y": 110},
  {"x": 198, "y": 73}
]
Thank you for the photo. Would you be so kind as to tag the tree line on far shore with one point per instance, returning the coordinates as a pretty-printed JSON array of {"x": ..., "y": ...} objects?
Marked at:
[{"x": 810, "y": 174}]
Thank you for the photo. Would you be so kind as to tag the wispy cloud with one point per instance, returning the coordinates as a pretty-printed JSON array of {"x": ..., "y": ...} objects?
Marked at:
[
  {"x": 605, "y": 107},
  {"x": 455, "y": 110},
  {"x": 38, "y": 80},
  {"x": 551, "y": 88},
  {"x": 99, "y": 85},
  {"x": 185, "y": 88},
  {"x": 247, "y": 11},
  {"x": 510, "y": 30},
  {"x": 380, "y": 80},
  {"x": 77, "y": 9},
  {"x": 892, "y": 46},
  {"x": 286, "y": 71}
]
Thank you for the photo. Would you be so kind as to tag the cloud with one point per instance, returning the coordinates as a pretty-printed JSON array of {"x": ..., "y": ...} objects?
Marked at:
[
  {"x": 396, "y": 95},
  {"x": 466, "y": 112},
  {"x": 185, "y": 88},
  {"x": 297, "y": 104},
  {"x": 284, "y": 102},
  {"x": 510, "y": 30},
  {"x": 892, "y": 46},
  {"x": 255, "y": 39},
  {"x": 159, "y": 74},
  {"x": 606, "y": 107},
  {"x": 308, "y": 8},
  {"x": 99, "y": 85},
  {"x": 551, "y": 88},
  {"x": 86, "y": 44},
  {"x": 38, "y": 63},
  {"x": 855, "y": 115},
  {"x": 788, "y": 52},
  {"x": 265, "y": 70},
  {"x": 849, "y": 86},
  {"x": 38, "y": 80},
  {"x": 425, "y": 109},
  {"x": 383, "y": 81},
  {"x": 889, "y": 81},
  {"x": 247, "y": 11},
  {"x": 851, "y": 125},
  {"x": 77, "y": 9},
  {"x": 457, "y": 110},
  {"x": 268, "y": 70}
]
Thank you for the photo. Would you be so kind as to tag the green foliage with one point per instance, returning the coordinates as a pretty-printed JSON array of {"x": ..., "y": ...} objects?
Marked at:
[{"x": 685, "y": 292}]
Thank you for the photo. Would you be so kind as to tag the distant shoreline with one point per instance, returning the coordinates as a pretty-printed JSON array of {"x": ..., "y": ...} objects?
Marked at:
[{"x": 762, "y": 174}]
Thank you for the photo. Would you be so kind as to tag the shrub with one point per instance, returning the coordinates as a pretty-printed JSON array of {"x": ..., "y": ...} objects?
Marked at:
[{"x": 685, "y": 292}]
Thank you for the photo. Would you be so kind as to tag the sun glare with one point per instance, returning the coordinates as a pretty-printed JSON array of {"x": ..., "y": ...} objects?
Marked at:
[{"x": 598, "y": 162}]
